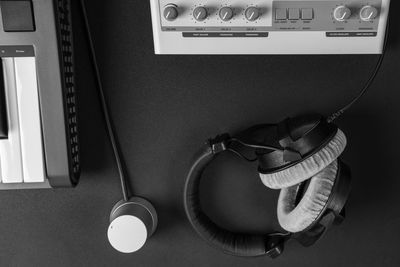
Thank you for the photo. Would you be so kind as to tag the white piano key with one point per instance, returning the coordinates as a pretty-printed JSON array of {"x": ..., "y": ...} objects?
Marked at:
[
  {"x": 10, "y": 149},
  {"x": 29, "y": 120}
]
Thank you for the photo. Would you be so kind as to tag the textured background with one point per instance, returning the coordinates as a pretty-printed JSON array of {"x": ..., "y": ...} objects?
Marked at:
[{"x": 164, "y": 107}]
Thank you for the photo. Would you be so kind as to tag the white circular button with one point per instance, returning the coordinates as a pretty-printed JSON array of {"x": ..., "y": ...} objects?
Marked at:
[{"x": 127, "y": 234}]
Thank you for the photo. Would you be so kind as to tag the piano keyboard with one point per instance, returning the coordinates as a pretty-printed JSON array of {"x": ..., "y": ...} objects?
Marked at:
[
  {"x": 21, "y": 153},
  {"x": 38, "y": 117}
]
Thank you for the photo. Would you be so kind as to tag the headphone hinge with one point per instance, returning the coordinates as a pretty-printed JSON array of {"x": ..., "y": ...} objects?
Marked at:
[
  {"x": 276, "y": 246},
  {"x": 219, "y": 143},
  {"x": 275, "y": 252}
]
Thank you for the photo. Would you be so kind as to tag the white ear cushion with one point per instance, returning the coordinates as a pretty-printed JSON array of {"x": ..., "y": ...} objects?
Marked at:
[
  {"x": 309, "y": 167},
  {"x": 294, "y": 218}
]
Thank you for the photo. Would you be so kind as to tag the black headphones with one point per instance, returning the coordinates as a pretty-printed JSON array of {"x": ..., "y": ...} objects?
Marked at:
[{"x": 300, "y": 156}]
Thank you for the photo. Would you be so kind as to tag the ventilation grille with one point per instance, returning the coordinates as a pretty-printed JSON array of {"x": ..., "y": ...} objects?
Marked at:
[{"x": 66, "y": 46}]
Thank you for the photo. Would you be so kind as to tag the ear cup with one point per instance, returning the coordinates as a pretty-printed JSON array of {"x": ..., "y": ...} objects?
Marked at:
[
  {"x": 308, "y": 167},
  {"x": 296, "y": 218}
]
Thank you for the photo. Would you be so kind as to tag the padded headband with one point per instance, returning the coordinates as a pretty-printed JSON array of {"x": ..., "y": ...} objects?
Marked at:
[{"x": 237, "y": 244}]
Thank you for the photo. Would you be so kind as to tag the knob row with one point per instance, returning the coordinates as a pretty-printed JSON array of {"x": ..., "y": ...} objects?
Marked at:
[
  {"x": 200, "y": 13},
  {"x": 367, "y": 13}
]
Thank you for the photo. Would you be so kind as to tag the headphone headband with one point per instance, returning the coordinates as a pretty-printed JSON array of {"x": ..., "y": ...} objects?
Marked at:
[{"x": 237, "y": 244}]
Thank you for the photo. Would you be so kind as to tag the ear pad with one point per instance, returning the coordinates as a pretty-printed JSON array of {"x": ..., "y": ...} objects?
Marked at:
[
  {"x": 308, "y": 167},
  {"x": 296, "y": 218}
]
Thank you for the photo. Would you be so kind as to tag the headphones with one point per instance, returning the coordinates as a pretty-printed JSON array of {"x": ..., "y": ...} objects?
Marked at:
[{"x": 300, "y": 157}]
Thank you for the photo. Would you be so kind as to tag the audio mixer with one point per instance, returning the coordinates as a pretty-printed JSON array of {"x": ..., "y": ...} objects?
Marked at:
[{"x": 269, "y": 26}]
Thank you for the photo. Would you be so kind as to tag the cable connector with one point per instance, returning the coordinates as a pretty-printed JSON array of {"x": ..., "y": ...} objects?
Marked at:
[{"x": 335, "y": 115}]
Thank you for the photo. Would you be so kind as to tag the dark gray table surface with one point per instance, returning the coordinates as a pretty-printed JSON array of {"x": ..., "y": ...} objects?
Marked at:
[{"x": 164, "y": 107}]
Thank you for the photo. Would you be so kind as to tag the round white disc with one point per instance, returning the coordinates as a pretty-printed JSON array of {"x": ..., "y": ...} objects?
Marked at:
[{"x": 127, "y": 234}]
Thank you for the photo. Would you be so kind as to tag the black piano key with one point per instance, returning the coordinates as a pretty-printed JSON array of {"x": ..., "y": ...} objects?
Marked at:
[{"x": 3, "y": 106}]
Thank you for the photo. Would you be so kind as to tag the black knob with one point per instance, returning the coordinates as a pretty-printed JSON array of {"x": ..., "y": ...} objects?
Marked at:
[{"x": 171, "y": 12}]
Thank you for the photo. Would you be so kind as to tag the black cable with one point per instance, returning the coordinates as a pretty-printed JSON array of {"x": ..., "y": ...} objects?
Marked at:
[
  {"x": 242, "y": 156},
  {"x": 104, "y": 106},
  {"x": 369, "y": 82}
]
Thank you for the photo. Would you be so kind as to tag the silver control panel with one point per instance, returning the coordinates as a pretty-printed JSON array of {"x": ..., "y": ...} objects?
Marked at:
[{"x": 269, "y": 26}]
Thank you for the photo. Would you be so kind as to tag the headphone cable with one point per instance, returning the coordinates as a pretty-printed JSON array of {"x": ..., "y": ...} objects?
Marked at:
[
  {"x": 104, "y": 106},
  {"x": 369, "y": 82},
  {"x": 256, "y": 146},
  {"x": 241, "y": 155}
]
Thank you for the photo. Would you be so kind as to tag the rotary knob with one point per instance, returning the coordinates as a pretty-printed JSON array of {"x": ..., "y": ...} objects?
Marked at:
[
  {"x": 171, "y": 12},
  {"x": 368, "y": 13},
  {"x": 341, "y": 13},
  {"x": 226, "y": 13},
  {"x": 252, "y": 13},
  {"x": 200, "y": 13},
  {"x": 132, "y": 222}
]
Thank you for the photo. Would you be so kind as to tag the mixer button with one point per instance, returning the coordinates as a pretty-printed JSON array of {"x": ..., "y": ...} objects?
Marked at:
[
  {"x": 281, "y": 14},
  {"x": 307, "y": 14},
  {"x": 294, "y": 13}
]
